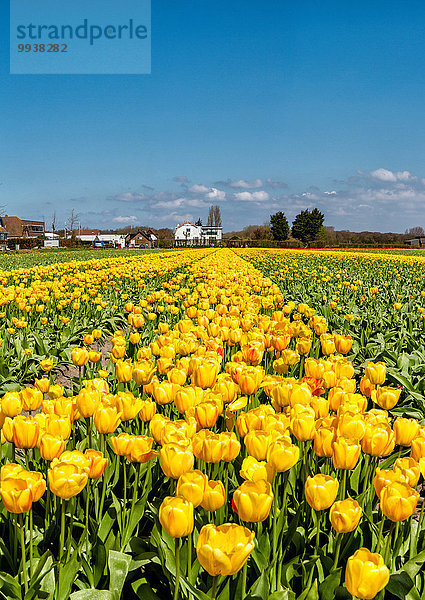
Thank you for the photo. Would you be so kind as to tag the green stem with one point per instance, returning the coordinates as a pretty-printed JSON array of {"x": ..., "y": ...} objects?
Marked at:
[
  {"x": 388, "y": 545},
  {"x": 379, "y": 540},
  {"x": 102, "y": 498},
  {"x": 189, "y": 557},
  {"x": 125, "y": 494},
  {"x": 319, "y": 518},
  {"x": 61, "y": 541},
  {"x": 337, "y": 550},
  {"x": 31, "y": 543},
  {"x": 394, "y": 554},
  {"x": 244, "y": 578},
  {"x": 87, "y": 516},
  {"x": 419, "y": 524},
  {"x": 133, "y": 502},
  {"x": 214, "y": 587},
  {"x": 89, "y": 431},
  {"x": 176, "y": 587},
  {"x": 24, "y": 562}
]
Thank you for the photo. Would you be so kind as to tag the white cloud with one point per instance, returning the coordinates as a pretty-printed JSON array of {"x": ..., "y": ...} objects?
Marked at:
[
  {"x": 130, "y": 197},
  {"x": 123, "y": 219},
  {"x": 390, "y": 176},
  {"x": 198, "y": 189},
  {"x": 215, "y": 194},
  {"x": 245, "y": 184},
  {"x": 260, "y": 196}
]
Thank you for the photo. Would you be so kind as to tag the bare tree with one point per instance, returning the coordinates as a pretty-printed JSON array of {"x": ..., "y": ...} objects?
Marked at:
[
  {"x": 415, "y": 231},
  {"x": 73, "y": 221},
  {"x": 210, "y": 221},
  {"x": 54, "y": 222},
  {"x": 217, "y": 215}
]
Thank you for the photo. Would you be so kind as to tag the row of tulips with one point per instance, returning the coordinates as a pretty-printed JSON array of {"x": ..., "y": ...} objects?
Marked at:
[{"x": 224, "y": 458}]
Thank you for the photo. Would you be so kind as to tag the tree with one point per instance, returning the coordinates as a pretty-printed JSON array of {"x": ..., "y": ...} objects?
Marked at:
[
  {"x": 210, "y": 221},
  {"x": 72, "y": 222},
  {"x": 214, "y": 216},
  {"x": 279, "y": 226},
  {"x": 307, "y": 225},
  {"x": 217, "y": 216},
  {"x": 54, "y": 222},
  {"x": 198, "y": 222},
  {"x": 415, "y": 231}
]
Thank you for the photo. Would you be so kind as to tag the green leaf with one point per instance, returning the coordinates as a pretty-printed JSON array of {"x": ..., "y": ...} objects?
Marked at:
[
  {"x": 401, "y": 586},
  {"x": 328, "y": 586},
  {"x": 143, "y": 590},
  {"x": 414, "y": 565},
  {"x": 312, "y": 593},
  {"x": 260, "y": 588},
  {"x": 10, "y": 586},
  {"x": 282, "y": 595},
  {"x": 69, "y": 571},
  {"x": 92, "y": 595},
  {"x": 118, "y": 564}
]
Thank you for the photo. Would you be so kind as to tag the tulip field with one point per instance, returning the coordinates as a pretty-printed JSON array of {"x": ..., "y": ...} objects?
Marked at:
[{"x": 213, "y": 424}]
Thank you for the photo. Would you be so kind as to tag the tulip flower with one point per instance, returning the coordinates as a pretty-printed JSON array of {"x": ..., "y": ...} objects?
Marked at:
[
  {"x": 124, "y": 370},
  {"x": 345, "y": 453},
  {"x": 398, "y": 501},
  {"x": 376, "y": 372},
  {"x": 410, "y": 468},
  {"x": 205, "y": 374},
  {"x": 366, "y": 574},
  {"x": 345, "y": 515},
  {"x": 343, "y": 343},
  {"x": 405, "y": 430},
  {"x": 223, "y": 550},
  {"x": 106, "y": 418},
  {"x": 140, "y": 449},
  {"x": 282, "y": 456},
  {"x": 147, "y": 410},
  {"x": 11, "y": 404},
  {"x": 191, "y": 486},
  {"x": 320, "y": 491},
  {"x": 384, "y": 477},
  {"x": 386, "y": 397},
  {"x": 143, "y": 371},
  {"x": 79, "y": 356},
  {"x": 214, "y": 496},
  {"x": 253, "y": 500},
  {"x": 253, "y": 470},
  {"x": 175, "y": 459},
  {"x": 176, "y": 516},
  {"x": 121, "y": 444},
  {"x": 378, "y": 440},
  {"x": 98, "y": 463},
  {"x": 16, "y": 494},
  {"x": 51, "y": 447},
  {"x": 66, "y": 479}
]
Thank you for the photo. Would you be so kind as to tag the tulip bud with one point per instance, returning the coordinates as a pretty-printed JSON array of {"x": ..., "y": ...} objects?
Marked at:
[
  {"x": 398, "y": 501},
  {"x": 405, "y": 431},
  {"x": 191, "y": 486},
  {"x": 386, "y": 397},
  {"x": 320, "y": 491},
  {"x": 214, "y": 496},
  {"x": 345, "y": 453},
  {"x": 176, "y": 516},
  {"x": 98, "y": 463},
  {"x": 376, "y": 372},
  {"x": 366, "y": 574},
  {"x": 79, "y": 356},
  {"x": 253, "y": 500},
  {"x": 345, "y": 515},
  {"x": 175, "y": 460}
]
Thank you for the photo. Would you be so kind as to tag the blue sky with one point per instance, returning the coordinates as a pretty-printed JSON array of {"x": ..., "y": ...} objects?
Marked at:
[{"x": 255, "y": 106}]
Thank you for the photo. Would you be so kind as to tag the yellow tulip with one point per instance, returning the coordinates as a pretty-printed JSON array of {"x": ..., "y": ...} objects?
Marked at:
[
  {"x": 176, "y": 516},
  {"x": 345, "y": 515},
  {"x": 223, "y": 550},
  {"x": 398, "y": 501},
  {"x": 320, "y": 491},
  {"x": 366, "y": 574}
]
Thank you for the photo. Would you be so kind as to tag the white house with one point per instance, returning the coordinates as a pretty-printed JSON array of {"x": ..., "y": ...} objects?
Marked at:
[
  {"x": 189, "y": 234},
  {"x": 110, "y": 239}
]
